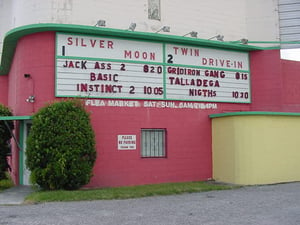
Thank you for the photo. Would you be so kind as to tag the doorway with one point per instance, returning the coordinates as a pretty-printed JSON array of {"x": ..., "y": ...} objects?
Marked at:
[{"x": 24, "y": 171}]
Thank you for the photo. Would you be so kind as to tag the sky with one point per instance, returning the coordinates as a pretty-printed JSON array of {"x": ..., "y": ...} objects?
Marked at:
[{"x": 290, "y": 54}]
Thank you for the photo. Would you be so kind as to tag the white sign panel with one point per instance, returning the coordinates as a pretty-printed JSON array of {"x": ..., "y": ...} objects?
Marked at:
[
  {"x": 96, "y": 67},
  {"x": 126, "y": 142},
  {"x": 88, "y": 78},
  {"x": 206, "y": 57},
  {"x": 107, "y": 48},
  {"x": 194, "y": 84}
]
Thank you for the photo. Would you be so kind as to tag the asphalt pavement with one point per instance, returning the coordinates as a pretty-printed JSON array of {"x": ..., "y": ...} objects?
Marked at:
[{"x": 256, "y": 205}]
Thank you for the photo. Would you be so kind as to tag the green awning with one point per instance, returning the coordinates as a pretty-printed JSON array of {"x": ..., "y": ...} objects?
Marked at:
[{"x": 15, "y": 117}]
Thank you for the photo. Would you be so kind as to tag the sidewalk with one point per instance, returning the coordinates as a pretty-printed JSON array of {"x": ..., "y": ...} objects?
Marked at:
[{"x": 15, "y": 195}]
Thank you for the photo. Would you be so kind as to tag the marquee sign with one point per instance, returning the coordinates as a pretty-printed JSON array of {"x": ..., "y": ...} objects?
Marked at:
[{"x": 102, "y": 67}]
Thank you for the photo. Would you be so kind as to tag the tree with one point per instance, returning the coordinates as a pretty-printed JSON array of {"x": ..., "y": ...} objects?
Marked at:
[
  {"x": 5, "y": 136},
  {"x": 61, "y": 146}
]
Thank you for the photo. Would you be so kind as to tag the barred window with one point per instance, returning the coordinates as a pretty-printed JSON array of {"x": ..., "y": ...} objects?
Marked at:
[{"x": 153, "y": 143}]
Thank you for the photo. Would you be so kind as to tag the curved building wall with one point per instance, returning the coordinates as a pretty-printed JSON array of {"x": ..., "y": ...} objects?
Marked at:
[
  {"x": 4, "y": 89},
  {"x": 34, "y": 55}
]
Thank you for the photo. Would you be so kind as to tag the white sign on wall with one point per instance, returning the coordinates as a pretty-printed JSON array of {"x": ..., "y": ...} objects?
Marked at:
[
  {"x": 97, "y": 67},
  {"x": 126, "y": 142}
]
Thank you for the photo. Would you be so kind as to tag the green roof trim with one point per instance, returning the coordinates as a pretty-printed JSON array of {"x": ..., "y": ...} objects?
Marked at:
[
  {"x": 11, "y": 39},
  {"x": 254, "y": 113},
  {"x": 15, "y": 118}
]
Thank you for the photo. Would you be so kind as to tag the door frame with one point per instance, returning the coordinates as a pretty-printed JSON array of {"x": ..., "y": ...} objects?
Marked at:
[{"x": 17, "y": 152}]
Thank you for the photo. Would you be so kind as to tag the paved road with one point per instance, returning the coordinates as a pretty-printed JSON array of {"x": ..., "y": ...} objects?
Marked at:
[{"x": 261, "y": 205}]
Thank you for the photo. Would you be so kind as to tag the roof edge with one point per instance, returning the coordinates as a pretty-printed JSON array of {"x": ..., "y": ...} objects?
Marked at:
[
  {"x": 253, "y": 113},
  {"x": 11, "y": 39}
]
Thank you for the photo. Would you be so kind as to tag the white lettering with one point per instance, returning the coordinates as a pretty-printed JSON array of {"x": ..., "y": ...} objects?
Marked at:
[{"x": 150, "y": 104}]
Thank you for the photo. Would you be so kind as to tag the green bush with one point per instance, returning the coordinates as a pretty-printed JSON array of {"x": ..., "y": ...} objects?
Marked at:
[
  {"x": 61, "y": 146},
  {"x": 5, "y": 137}
]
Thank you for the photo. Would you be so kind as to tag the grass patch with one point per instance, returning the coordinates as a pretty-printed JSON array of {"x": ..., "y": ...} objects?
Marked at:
[
  {"x": 125, "y": 192},
  {"x": 5, "y": 184}
]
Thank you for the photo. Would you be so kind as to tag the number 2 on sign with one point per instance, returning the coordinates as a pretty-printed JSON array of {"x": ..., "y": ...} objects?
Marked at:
[
  {"x": 131, "y": 91},
  {"x": 122, "y": 67},
  {"x": 170, "y": 58}
]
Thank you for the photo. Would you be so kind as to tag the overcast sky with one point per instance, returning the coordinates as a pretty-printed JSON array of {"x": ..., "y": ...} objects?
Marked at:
[{"x": 291, "y": 54}]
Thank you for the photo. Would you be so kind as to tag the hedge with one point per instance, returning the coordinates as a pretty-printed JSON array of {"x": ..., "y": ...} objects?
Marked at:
[
  {"x": 5, "y": 136},
  {"x": 61, "y": 146}
]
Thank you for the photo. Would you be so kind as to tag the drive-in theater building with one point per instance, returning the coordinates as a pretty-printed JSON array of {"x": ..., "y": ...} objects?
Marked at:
[{"x": 164, "y": 107}]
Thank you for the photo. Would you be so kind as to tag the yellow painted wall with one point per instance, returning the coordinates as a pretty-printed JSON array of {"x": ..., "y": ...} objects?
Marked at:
[{"x": 256, "y": 149}]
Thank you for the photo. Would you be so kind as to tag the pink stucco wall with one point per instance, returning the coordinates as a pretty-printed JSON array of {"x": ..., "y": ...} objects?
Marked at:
[{"x": 3, "y": 89}]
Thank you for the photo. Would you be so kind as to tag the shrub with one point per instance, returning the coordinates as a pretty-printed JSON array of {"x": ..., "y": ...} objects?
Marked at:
[
  {"x": 61, "y": 146},
  {"x": 5, "y": 137}
]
